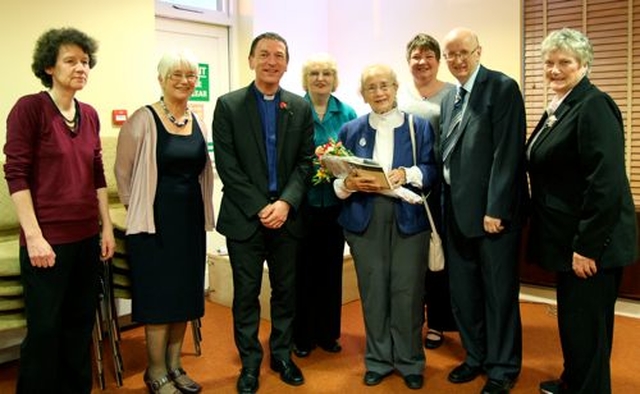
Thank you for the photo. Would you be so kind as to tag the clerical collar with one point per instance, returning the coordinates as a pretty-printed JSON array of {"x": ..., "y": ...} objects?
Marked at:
[{"x": 265, "y": 97}]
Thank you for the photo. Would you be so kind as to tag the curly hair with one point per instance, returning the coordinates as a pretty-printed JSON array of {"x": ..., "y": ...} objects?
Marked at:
[
  {"x": 48, "y": 45},
  {"x": 571, "y": 41}
]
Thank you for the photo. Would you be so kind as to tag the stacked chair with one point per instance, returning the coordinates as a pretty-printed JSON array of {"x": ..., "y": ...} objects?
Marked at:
[
  {"x": 120, "y": 284},
  {"x": 12, "y": 317}
]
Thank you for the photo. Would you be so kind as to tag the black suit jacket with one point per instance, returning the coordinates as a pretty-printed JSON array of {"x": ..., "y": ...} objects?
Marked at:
[
  {"x": 241, "y": 161},
  {"x": 487, "y": 165},
  {"x": 581, "y": 196}
]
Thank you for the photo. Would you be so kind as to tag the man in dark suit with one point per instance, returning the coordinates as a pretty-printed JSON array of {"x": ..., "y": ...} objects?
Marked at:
[
  {"x": 482, "y": 152},
  {"x": 263, "y": 138}
]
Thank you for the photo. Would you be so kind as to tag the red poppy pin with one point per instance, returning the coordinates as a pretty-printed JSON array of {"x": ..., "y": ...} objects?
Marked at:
[{"x": 285, "y": 107}]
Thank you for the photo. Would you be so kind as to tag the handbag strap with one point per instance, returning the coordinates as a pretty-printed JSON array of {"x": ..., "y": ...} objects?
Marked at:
[{"x": 412, "y": 132}]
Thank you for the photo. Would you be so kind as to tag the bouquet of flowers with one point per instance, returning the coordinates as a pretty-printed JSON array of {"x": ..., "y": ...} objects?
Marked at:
[{"x": 331, "y": 148}]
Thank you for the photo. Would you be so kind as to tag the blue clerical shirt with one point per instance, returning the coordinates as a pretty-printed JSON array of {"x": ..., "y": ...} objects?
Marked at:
[{"x": 268, "y": 110}]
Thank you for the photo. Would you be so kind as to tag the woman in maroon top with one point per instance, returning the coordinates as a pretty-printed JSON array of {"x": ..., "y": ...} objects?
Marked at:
[{"x": 55, "y": 176}]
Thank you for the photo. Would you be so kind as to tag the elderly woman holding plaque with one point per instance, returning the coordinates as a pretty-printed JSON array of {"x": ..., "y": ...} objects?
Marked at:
[{"x": 388, "y": 236}]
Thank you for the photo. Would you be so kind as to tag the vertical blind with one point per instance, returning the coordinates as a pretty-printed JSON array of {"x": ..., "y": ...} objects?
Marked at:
[{"x": 613, "y": 27}]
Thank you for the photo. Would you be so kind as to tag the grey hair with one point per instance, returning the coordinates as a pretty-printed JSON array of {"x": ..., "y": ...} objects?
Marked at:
[
  {"x": 171, "y": 60},
  {"x": 571, "y": 41},
  {"x": 377, "y": 69}
]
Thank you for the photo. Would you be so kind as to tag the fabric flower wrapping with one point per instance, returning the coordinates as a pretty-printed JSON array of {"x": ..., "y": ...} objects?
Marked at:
[{"x": 331, "y": 148}]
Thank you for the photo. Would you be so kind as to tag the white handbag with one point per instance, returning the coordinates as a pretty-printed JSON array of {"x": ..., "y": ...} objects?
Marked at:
[{"x": 436, "y": 253}]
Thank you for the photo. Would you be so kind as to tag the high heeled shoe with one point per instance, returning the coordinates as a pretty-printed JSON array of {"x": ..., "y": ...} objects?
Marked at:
[
  {"x": 186, "y": 385},
  {"x": 156, "y": 386}
]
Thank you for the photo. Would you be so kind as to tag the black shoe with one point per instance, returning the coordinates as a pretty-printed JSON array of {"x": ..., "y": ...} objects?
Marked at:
[
  {"x": 373, "y": 378},
  {"x": 301, "y": 351},
  {"x": 433, "y": 339},
  {"x": 494, "y": 386},
  {"x": 289, "y": 372},
  {"x": 552, "y": 387},
  {"x": 464, "y": 373},
  {"x": 248, "y": 381},
  {"x": 331, "y": 347},
  {"x": 414, "y": 382}
]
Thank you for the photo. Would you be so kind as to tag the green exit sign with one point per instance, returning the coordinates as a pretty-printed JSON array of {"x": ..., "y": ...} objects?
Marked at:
[{"x": 201, "y": 92}]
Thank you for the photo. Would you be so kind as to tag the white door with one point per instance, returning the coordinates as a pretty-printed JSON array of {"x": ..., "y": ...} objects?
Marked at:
[{"x": 210, "y": 44}]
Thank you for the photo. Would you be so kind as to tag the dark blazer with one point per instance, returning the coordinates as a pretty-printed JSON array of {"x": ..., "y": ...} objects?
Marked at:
[
  {"x": 491, "y": 152},
  {"x": 580, "y": 191},
  {"x": 358, "y": 136},
  {"x": 241, "y": 160}
]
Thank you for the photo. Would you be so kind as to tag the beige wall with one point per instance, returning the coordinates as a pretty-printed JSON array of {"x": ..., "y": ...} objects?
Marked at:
[
  {"x": 356, "y": 32},
  {"x": 124, "y": 76}
]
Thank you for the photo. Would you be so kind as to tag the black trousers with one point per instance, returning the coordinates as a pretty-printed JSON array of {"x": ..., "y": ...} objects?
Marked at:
[
  {"x": 279, "y": 249},
  {"x": 60, "y": 306},
  {"x": 319, "y": 279},
  {"x": 586, "y": 310},
  {"x": 484, "y": 283},
  {"x": 437, "y": 296}
]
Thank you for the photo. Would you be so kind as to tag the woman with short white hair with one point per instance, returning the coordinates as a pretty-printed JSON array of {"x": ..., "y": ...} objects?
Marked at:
[{"x": 165, "y": 180}]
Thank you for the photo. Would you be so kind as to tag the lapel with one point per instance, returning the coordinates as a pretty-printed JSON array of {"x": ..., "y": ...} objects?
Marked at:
[
  {"x": 253, "y": 114},
  {"x": 448, "y": 102},
  {"x": 545, "y": 127},
  {"x": 474, "y": 98}
]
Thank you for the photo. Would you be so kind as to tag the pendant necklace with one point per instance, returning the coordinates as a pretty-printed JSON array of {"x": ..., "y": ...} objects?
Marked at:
[
  {"x": 72, "y": 124},
  {"x": 172, "y": 119}
]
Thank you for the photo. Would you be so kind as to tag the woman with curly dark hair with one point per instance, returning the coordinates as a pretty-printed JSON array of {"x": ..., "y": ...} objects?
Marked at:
[{"x": 55, "y": 176}]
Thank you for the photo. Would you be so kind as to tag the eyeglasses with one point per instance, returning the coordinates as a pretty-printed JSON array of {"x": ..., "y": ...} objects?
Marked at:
[
  {"x": 324, "y": 73},
  {"x": 384, "y": 87},
  {"x": 177, "y": 76},
  {"x": 462, "y": 55}
]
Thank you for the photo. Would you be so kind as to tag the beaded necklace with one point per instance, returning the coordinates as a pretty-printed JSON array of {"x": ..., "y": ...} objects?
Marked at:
[
  {"x": 72, "y": 124},
  {"x": 172, "y": 119}
]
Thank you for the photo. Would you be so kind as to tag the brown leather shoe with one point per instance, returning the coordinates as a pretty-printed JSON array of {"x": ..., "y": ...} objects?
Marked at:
[
  {"x": 183, "y": 382},
  {"x": 162, "y": 384}
]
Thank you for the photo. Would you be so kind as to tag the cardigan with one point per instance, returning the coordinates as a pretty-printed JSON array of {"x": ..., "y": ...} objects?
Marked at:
[{"x": 136, "y": 159}]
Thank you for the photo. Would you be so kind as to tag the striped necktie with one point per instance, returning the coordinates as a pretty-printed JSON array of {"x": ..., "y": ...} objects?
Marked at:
[{"x": 453, "y": 133}]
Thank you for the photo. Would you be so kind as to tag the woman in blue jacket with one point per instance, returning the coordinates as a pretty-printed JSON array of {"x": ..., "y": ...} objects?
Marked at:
[{"x": 388, "y": 236}]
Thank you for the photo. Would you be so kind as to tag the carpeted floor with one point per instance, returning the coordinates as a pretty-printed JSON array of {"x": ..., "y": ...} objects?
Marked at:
[{"x": 218, "y": 366}]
